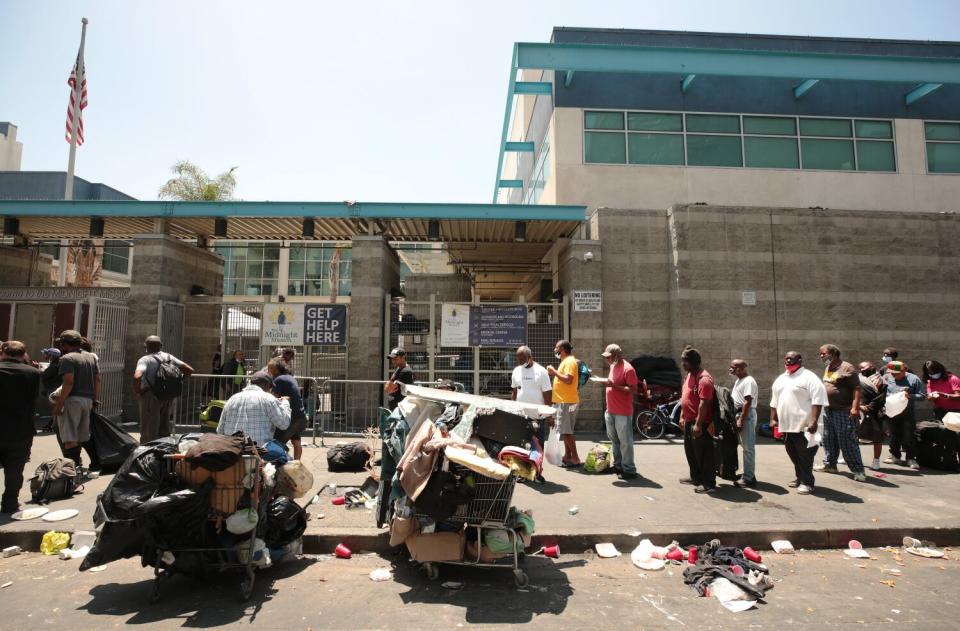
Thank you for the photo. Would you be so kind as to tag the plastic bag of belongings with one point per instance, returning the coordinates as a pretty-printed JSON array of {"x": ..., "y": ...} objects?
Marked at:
[{"x": 451, "y": 460}]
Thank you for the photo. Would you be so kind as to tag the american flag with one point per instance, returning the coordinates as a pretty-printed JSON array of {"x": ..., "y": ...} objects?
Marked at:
[{"x": 77, "y": 76}]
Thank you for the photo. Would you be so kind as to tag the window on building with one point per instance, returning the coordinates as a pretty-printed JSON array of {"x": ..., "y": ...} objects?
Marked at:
[
  {"x": 734, "y": 140},
  {"x": 116, "y": 257},
  {"x": 315, "y": 267},
  {"x": 943, "y": 147},
  {"x": 50, "y": 248},
  {"x": 541, "y": 174},
  {"x": 250, "y": 269}
]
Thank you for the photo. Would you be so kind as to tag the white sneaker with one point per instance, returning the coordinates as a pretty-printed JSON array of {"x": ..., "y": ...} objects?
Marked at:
[
  {"x": 859, "y": 477},
  {"x": 803, "y": 489},
  {"x": 875, "y": 465},
  {"x": 913, "y": 464}
]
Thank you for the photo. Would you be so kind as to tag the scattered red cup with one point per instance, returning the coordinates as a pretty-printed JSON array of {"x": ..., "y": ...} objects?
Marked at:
[
  {"x": 675, "y": 555},
  {"x": 751, "y": 554},
  {"x": 737, "y": 570},
  {"x": 339, "y": 500},
  {"x": 692, "y": 555},
  {"x": 343, "y": 552},
  {"x": 551, "y": 551},
  {"x": 776, "y": 432}
]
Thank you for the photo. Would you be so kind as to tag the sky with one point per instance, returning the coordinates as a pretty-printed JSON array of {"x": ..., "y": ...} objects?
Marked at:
[{"x": 329, "y": 101}]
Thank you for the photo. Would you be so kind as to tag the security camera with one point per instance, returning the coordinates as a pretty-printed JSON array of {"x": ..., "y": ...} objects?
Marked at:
[{"x": 587, "y": 257}]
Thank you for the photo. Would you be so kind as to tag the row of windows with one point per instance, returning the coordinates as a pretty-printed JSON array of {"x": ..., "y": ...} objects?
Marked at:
[
  {"x": 541, "y": 174},
  {"x": 254, "y": 269},
  {"x": 738, "y": 140},
  {"x": 116, "y": 255}
]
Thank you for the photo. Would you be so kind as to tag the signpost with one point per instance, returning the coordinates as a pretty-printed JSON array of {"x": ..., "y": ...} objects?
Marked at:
[{"x": 483, "y": 325}]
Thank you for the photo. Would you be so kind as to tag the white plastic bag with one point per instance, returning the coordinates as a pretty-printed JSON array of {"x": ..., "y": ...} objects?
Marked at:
[
  {"x": 896, "y": 403},
  {"x": 553, "y": 452},
  {"x": 951, "y": 420}
]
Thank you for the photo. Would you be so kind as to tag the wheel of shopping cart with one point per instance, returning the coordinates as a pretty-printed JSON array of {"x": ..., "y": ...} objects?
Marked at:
[
  {"x": 520, "y": 578},
  {"x": 650, "y": 424}
]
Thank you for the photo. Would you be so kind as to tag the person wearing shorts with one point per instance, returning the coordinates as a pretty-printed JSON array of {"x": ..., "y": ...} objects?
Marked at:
[
  {"x": 566, "y": 399},
  {"x": 284, "y": 385},
  {"x": 78, "y": 394}
]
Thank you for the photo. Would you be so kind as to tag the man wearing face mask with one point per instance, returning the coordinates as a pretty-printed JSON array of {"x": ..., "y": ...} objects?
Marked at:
[
  {"x": 873, "y": 394},
  {"x": 530, "y": 383},
  {"x": 621, "y": 386},
  {"x": 796, "y": 401},
  {"x": 903, "y": 426},
  {"x": 889, "y": 355},
  {"x": 842, "y": 415}
]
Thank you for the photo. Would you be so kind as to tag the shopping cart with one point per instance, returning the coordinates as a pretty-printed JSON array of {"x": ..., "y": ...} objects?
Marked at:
[
  {"x": 230, "y": 485},
  {"x": 488, "y": 510}
]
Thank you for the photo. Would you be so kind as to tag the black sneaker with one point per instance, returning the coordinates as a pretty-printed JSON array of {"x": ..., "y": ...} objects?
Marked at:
[
  {"x": 794, "y": 484},
  {"x": 703, "y": 489},
  {"x": 629, "y": 476},
  {"x": 687, "y": 481},
  {"x": 539, "y": 480}
]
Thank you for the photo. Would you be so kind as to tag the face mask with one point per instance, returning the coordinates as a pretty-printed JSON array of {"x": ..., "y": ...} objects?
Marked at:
[
  {"x": 887, "y": 359},
  {"x": 557, "y": 355},
  {"x": 936, "y": 375},
  {"x": 826, "y": 360},
  {"x": 792, "y": 368},
  {"x": 868, "y": 373}
]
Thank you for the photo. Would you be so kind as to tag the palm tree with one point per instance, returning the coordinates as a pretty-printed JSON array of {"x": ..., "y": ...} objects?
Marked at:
[{"x": 191, "y": 184}]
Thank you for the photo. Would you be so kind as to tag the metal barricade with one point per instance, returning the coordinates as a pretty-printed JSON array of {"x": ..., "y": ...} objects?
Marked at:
[{"x": 347, "y": 407}]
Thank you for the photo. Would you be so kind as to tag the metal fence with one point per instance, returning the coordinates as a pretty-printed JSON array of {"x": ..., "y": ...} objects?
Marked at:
[
  {"x": 415, "y": 327},
  {"x": 107, "y": 329},
  {"x": 347, "y": 407}
]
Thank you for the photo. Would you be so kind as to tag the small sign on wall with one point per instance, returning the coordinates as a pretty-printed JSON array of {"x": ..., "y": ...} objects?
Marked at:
[
  {"x": 749, "y": 298},
  {"x": 587, "y": 300}
]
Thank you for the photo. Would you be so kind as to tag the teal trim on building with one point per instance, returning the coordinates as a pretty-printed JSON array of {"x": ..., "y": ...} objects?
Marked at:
[
  {"x": 920, "y": 91},
  {"x": 533, "y": 87},
  {"x": 803, "y": 87}
]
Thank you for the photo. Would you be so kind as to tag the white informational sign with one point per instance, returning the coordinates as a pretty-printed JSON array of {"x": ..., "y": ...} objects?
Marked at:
[
  {"x": 587, "y": 300},
  {"x": 454, "y": 325},
  {"x": 749, "y": 298},
  {"x": 282, "y": 325}
]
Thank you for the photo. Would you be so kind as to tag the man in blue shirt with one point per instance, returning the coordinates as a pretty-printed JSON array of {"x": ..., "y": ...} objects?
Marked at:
[
  {"x": 285, "y": 385},
  {"x": 903, "y": 426}
]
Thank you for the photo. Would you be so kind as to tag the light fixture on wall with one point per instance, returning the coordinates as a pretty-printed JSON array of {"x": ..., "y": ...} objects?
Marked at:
[
  {"x": 197, "y": 290},
  {"x": 520, "y": 231},
  {"x": 220, "y": 227},
  {"x": 11, "y": 226},
  {"x": 97, "y": 225},
  {"x": 433, "y": 230},
  {"x": 308, "y": 228}
]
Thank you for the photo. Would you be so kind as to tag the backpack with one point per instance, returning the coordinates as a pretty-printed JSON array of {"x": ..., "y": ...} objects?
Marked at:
[
  {"x": 583, "y": 372},
  {"x": 54, "y": 480},
  {"x": 727, "y": 437},
  {"x": 937, "y": 446},
  {"x": 168, "y": 382}
]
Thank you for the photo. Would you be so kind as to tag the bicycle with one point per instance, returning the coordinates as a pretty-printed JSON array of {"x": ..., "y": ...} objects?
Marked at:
[{"x": 653, "y": 423}]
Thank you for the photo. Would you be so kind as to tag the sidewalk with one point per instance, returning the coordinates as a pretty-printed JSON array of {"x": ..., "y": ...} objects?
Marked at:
[{"x": 878, "y": 512}]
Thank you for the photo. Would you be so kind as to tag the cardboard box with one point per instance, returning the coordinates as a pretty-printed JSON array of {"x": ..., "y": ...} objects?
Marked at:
[{"x": 436, "y": 547}]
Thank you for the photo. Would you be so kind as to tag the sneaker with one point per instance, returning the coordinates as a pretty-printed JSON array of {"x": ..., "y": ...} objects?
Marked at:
[
  {"x": 794, "y": 484},
  {"x": 875, "y": 465},
  {"x": 826, "y": 468},
  {"x": 629, "y": 476},
  {"x": 749, "y": 483},
  {"x": 539, "y": 480},
  {"x": 687, "y": 481},
  {"x": 860, "y": 477},
  {"x": 703, "y": 489},
  {"x": 913, "y": 464},
  {"x": 892, "y": 460},
  {"x": 803, "y": 489}
]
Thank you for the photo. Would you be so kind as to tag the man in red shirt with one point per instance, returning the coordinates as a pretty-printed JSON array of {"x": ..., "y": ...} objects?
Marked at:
[
  {"x": 621, "y": 390},
  {"x": 696, "y": 418}
]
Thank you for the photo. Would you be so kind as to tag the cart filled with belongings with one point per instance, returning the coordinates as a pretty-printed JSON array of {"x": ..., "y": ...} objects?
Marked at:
[
  {"x": 449, "y": 468},
  {"x": 197, "y": 504}
]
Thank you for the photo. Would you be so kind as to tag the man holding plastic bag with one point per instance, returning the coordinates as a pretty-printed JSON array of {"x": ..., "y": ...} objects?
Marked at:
[
  {"x": 621, "y": 386},
  {"x": 903, "y": 388},
  {"x": 530, "y": 383}
]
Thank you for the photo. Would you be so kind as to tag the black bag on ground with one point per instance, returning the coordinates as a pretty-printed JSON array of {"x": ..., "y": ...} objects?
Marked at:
[
  {"x": 442, "y": 496},
  {"x": 54, "y": 479},
  {"x": 937, "y": 446},
  {"x": 175, "y": 520},
  {"x": 112, "y": 445},
  {"x": 727, "y": 435},
  {"x": 284, "y": 522},
  {"x": 347, "y": 457}
]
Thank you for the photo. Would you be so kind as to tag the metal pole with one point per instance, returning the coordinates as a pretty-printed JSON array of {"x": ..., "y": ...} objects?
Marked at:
[
  {"x": 431, "y": 340},
  {"x": 77, "y": 94}
]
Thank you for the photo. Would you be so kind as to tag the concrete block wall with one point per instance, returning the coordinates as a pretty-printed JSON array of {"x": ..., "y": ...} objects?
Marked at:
[
  {"x": 165, "y": 268},
  {"x": 447, "y": 287},
  {"x": 376, "y": 270}
]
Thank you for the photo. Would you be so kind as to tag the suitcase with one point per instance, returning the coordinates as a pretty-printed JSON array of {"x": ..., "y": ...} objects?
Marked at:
[
  {"x": 503, "y": 427},
  {"x": 937, "y": 446}
]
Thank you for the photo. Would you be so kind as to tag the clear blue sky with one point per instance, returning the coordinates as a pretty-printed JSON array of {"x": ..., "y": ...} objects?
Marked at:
[{"x": 373, "y": 101}]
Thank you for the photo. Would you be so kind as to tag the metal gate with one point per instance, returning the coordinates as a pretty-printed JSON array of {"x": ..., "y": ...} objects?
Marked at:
[
  {"x": 170, "y": 326},
  {"x": 107, "y": 330},
  {"x": 415, "y": 327}
]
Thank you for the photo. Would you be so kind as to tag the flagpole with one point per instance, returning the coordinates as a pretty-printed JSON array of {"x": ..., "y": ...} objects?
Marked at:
[{"x": 77, "y": 95}]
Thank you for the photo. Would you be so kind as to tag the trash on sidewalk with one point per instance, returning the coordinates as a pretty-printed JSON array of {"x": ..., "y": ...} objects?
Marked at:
[
  {"x": 452, "y": 585},
  {"x": 74, "y": 553},
  {"x": 381, "y": 574},
  {"x": 53, "y": 542},
  {"x": 644, "y": 556},
  {"x": 12, "y": 551},
  {"x": 30, "y": 513},
  {"x": 855, "y": 550},
  {"x": 599, "y": 459},
  {"x": 61, "y": 515},
  {"x": 782, "y": 546},
  {"x": 927, "y": 553},
  {"x": 607, "y": 550},
  {"x": 7, "y": 584},
  {"x": 889, "y": 583},
  {"x": 730, "y": 596},
  {"x": 715, "y": 562},
  {"x": 343, "y": 552}
]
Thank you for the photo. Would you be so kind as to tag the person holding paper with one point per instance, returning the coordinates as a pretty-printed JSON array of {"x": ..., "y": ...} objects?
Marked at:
[
  {"x": 903, "y": 425},
  {"x": 798, "y": 397}
]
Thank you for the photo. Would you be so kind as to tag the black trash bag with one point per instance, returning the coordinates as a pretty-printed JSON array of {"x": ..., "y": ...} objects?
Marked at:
[
  {"x": 442, "y": 496},
  {"x": 143, "y": 475},
  {"x": 285, "y": 521},
  {"x": 112, "y": 445},
  {"x": 175, "y": 520},
  {"x": 347, "y": 457}
]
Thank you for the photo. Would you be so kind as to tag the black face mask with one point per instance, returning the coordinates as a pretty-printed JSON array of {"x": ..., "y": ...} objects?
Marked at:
[{"x": 868, "y": 372}]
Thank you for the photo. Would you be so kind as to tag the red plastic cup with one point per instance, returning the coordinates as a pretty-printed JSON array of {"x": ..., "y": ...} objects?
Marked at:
[
  {"x": 751, "y": 554},
  {"x": 737, "y": 570},
  {"x": 675, "y": 555},
  {"x": 776, "y": 432},
  {"x": 343, "y": 552},
  {"x": 692, "y": 555},
  {"x": 551, "y": 551},
  {"x": 339, "y": 500}
]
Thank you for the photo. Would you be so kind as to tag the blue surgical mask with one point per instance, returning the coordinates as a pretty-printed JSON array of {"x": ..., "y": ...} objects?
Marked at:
[
  {"x": 887, "y": 359},
  {"x": 936, "y": 375}
]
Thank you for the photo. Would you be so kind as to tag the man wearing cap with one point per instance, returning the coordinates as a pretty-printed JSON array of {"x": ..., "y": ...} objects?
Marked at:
[
  {"x": 154, "y": 412},
  {"x": 903, "y": 426},
  {"x": 19, "y": 386},
  {"x": 796, "y": 400},
  {"x": 255, "y": 412},
  {"x": 78, "y": 394},
  {"x": 402, "y": 373},
  {"x": 621, "y": 386}
]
